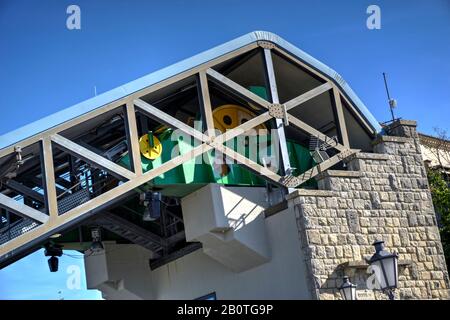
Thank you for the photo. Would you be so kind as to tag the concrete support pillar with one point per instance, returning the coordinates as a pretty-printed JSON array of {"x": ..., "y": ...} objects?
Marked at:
[{"x": 120, "y": 272}]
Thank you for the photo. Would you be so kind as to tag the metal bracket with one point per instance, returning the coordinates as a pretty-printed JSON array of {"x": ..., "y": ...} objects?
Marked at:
[
  {"x": 266, "y": 44},
  {"x": 290, "y": 181},
  {"x": 279, "y": 111},
  {"x": 19, "y": 160}
]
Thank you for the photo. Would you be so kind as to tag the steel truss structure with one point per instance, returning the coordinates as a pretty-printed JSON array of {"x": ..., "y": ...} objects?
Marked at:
[{"x": 51, "y": 221}]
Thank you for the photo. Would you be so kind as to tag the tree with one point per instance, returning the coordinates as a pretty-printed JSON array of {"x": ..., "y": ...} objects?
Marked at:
[
  {"x": 440, "y": 192},
  {"x": 439, "y": 147}
]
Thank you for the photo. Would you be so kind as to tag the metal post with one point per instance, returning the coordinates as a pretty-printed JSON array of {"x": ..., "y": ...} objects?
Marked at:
[
  {"x": 390, "y": 294},
  {"x": 389, "y": 96},
  {"x": 270, "y": 74}
]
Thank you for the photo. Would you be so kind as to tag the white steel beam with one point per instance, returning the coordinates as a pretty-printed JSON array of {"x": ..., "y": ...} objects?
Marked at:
[
  {"x": 308, "y": 96},
  {"x": 279, "y": 123},
  {"x": 91, "y": 157},
  {"x": 133, "y": 138},
  {"x": 321, "y": 167},
  {"x": 154, "y": 112},
  {"x": 206, "y": 104},
  {"x": 224, "y": 81},
  {"x": 340, "y": 117},
  {"x": 48, "y": 175},
  {"x": 308, "y": 129},
  {"x": 21, "y": 209}
]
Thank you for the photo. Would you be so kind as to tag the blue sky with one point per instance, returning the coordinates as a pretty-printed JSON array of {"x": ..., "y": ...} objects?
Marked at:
[
  {"x": 30, "y": 279},
  {"x": 45, "y": 67}
]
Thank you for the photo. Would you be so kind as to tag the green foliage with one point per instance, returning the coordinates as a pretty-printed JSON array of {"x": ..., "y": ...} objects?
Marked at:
[{"x": 440, "y": 192}]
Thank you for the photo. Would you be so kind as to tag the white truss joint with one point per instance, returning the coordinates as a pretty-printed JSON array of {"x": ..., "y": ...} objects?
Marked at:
[
  {"x": 266, "y": 45},
  {"x": 279, "y": 111}
]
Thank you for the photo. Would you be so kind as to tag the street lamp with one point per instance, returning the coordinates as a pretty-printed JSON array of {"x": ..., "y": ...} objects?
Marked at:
[
  {"x": 347, "y": 289},
  {"x": 53, "y": 251},
  {"x": 386, "y": 268}
]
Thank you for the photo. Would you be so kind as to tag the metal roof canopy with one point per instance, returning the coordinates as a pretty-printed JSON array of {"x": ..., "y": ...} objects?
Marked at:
[
  {"x": 81, "y": 108},
  {"x": 48, "y": 131}
]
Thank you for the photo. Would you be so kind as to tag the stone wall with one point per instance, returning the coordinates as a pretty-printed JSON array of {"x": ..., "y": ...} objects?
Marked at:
[{"x": 382, "y": 195}]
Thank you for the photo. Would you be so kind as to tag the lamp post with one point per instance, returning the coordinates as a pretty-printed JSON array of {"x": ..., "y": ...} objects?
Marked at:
[
  {"x": 347, "y": 289},
  {"x": 386, "y": 268}
]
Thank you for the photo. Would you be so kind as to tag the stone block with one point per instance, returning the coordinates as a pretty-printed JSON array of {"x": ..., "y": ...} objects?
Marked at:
[
  {"x": 353, "y": 221},
  {"x": 313, "y": 236}
]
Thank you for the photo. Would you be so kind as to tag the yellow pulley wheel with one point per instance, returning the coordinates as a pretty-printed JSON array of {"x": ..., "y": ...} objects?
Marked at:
[
  {"x": 230, "y": 116},
  {"x": 150, "y": 146}
]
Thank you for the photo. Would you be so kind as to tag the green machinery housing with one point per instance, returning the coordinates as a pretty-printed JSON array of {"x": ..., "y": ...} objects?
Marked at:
[{"x": 198, "y": 172}]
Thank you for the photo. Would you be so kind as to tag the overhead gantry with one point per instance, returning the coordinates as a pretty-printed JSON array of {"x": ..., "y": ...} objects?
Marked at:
[{"x": 70, "y": 173}]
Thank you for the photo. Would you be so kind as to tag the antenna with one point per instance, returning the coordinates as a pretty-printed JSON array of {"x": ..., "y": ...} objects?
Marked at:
[{"x": 392, "y": 102}]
